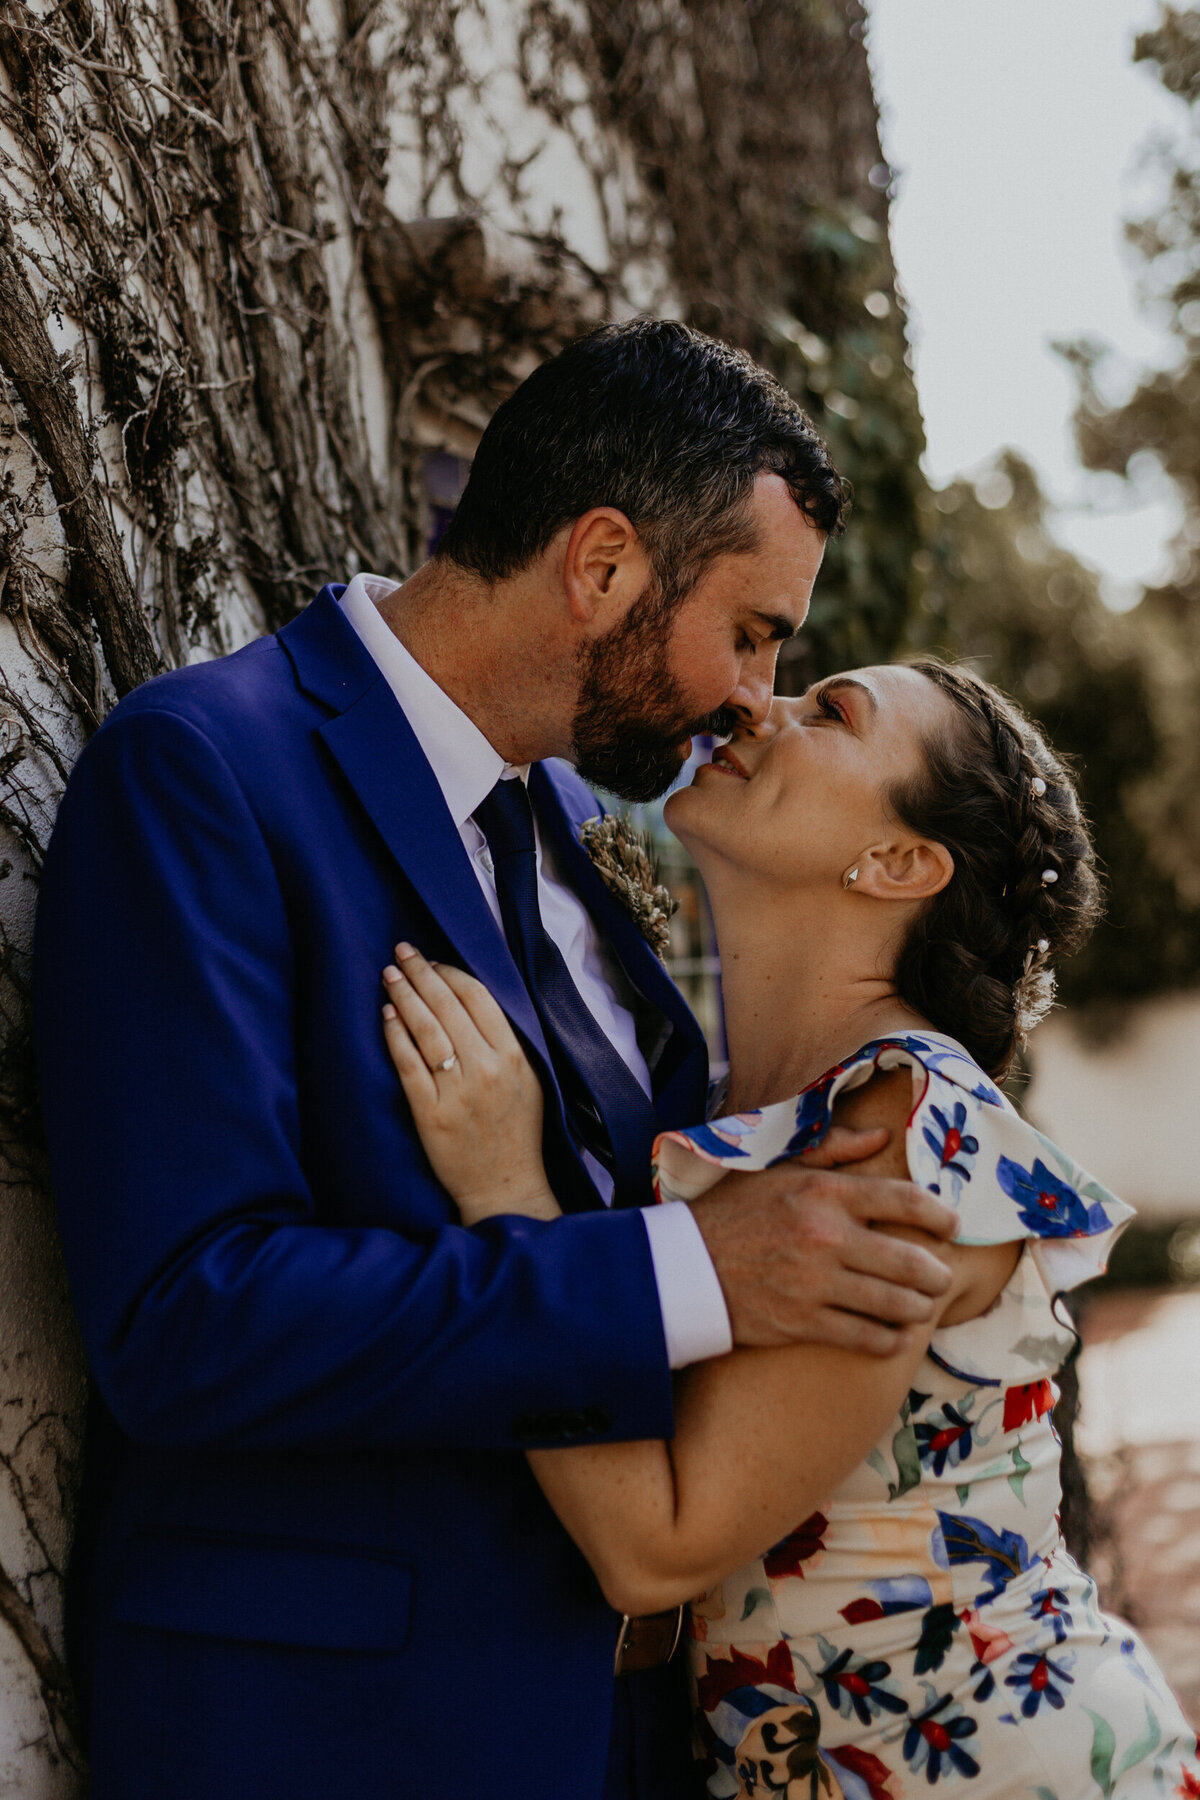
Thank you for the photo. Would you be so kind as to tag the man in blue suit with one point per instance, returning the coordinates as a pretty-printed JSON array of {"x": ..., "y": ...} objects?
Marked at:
[{"x": 311, "y": 1560}]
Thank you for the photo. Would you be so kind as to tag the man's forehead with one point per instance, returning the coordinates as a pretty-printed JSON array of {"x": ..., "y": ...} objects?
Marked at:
[{"x": 777, "y": 510}]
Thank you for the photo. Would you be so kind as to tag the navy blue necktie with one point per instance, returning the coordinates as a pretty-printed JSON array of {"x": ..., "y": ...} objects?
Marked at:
[{"x": 606, "y": 1106}]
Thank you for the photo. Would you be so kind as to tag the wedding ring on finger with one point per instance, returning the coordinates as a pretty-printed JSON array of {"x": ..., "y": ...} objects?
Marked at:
[{"x": 448, "y": 1063}]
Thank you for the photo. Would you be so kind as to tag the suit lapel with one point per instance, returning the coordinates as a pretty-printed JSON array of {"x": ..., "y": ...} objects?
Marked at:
[
  {"x": 378, "y": 753},
  {"x": 377, "y": 750}
]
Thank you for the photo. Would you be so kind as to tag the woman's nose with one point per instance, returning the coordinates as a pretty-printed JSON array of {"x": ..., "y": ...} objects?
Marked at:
[{"x": 756, "y": 731}]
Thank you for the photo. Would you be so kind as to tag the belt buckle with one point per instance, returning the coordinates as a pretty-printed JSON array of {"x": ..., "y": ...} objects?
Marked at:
[{"x": 647, "y": 1640}]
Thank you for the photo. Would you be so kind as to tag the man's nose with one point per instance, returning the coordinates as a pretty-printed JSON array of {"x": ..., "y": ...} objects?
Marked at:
[{"x": 751, "y": 698}]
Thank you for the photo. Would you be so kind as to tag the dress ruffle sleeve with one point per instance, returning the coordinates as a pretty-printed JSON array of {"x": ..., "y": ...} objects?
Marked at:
[{"x": 965, "y": 1142}]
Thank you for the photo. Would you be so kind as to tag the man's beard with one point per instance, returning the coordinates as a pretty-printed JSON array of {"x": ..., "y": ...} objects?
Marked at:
[{"x": 631, "y": 723}]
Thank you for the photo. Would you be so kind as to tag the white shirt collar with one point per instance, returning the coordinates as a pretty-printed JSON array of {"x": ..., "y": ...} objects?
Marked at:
[{"x": 465, "y": 765}]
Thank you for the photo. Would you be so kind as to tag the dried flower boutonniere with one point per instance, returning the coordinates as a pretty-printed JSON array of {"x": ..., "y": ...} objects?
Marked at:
[{"x": 622, "y": 860}]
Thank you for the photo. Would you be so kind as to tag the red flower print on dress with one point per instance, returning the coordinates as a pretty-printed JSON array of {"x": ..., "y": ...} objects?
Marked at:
[
  {"x": 1189, "y": 1787},
  {"x": 875, "y": 1776},
  {"x": 955, "y": 1142},
  {"x": 1024, "y": 1404},
  {"x": 797, "y": 1548},
  {"x": 932, "y": 1741},
  {"x": 944, "y": 1437},
  {"x": 1050, "y": 1603},
  {"x": 988, "y": 1641},
  {"x": 1038, "y": 1675},
  {"x": 725, "y": 1675}
]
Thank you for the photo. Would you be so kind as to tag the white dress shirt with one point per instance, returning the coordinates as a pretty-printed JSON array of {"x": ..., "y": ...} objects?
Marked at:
[{"x": 467, "y": 768}]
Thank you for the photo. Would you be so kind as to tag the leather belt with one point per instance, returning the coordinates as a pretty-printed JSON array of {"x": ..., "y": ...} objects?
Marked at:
[{"x": 648, "y": 1640}]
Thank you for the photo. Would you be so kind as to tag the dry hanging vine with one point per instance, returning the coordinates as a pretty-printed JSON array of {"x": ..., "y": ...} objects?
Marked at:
[{"x": 226, "y": 226}]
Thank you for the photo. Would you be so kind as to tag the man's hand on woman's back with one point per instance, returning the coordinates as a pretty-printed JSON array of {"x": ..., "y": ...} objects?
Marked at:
[{"x": 797, "y": 1257}]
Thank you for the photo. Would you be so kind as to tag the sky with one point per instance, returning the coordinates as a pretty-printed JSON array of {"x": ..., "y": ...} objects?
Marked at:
[{"x": 1019, "y": 133}]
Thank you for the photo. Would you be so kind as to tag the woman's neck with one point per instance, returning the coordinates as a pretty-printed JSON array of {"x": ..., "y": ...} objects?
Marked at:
[{"x": 801, "y": 993}]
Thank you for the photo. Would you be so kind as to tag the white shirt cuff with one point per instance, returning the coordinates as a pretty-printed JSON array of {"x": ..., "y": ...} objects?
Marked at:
[{"x": 694, "y": 1314}]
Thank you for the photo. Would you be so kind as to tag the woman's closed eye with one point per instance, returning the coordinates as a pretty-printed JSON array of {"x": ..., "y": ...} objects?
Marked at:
[{"x": 828, "y": 707}]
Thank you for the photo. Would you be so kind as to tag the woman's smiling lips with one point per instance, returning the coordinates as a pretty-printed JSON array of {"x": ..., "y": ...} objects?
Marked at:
[{"x": 728, "y": 764}]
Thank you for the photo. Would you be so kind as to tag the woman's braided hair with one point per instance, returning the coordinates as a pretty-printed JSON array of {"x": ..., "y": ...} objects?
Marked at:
[{"x": 1024, "y": 893}]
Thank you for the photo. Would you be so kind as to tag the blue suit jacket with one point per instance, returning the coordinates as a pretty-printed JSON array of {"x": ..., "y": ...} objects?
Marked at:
[{"x": 311, "y": 1559}]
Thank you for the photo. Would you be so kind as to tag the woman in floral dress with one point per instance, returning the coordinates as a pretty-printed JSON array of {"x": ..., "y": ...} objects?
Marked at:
[
  {"x": 929, "y": 1618},
  {"x": 895, "y": 861}
]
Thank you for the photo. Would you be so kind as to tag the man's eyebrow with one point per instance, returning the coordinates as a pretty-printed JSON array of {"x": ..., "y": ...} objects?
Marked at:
[
  {"x": 843, "y": 681},
  {"x": 778, "y": 626}
]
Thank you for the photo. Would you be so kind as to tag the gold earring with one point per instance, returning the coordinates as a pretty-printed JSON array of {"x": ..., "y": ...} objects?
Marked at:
[{"x": 850, "y": 877}]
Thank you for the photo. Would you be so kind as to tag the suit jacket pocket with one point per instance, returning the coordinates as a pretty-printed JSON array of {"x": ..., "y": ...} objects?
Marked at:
[{"x": 307, "y": 1596}]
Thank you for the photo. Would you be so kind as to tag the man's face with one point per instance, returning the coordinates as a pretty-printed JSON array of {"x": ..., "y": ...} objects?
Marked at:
[{"x": 672, "y": 669}]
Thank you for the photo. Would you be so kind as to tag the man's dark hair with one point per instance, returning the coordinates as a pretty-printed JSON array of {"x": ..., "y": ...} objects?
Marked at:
[{"x": 668, "y": 426}]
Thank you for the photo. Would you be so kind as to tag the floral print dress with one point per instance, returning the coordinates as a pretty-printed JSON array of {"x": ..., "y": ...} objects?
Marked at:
[{"x": 927, "y": 1628}]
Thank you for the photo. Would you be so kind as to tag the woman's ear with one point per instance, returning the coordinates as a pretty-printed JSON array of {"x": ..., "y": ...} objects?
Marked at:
[{"x": 906, "y": 869}]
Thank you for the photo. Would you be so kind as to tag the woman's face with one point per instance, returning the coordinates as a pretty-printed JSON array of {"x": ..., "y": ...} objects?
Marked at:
[{"x": 800, "y": 799}]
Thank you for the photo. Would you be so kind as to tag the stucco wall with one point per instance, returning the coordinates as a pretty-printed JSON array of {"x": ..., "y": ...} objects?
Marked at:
[
  {"x": 1127, "y": 1104},
  {"x": 423, "y": 109}
]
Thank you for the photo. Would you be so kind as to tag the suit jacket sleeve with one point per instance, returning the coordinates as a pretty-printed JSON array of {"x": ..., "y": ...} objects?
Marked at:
[{"x": 216, "y": 1305}]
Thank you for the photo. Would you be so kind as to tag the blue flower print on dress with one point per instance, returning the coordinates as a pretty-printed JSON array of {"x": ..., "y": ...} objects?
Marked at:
[
  {"x": 1049, "y": 1206},
  {"x": 1037, "y": 1677},
  {"x": 934, "y": 1740},
  {"x": 813, "y": 1106},
  {"x": 857, "y": 1685},
  {"x": 721, "y": 1138},
  {"x": 1050, "y": 1603},
  {"x": 812, "y": 1117},
  {"x": 951, "y": 1143},
  {"x": 944, "y": 1059},
  {"x": 944, "y": 1437},
  {"x": 946, "y": 1643},
  {"x": 965, "y": 1540},
  {"x": 884, "y": 1599},
  {"x": 1130, "y": 1651}
]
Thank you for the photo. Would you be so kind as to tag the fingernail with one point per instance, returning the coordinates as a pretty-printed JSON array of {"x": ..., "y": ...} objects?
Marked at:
[
  {"x": 392, "y": 973},
  {"x": 404, "y": 951},
  {"x": 389, "y": 1011}
]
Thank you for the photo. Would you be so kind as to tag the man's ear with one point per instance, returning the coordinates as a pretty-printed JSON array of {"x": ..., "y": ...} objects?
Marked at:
[
  {"x": 605, "y": 567},
  {"x": 904, "y": 869}
]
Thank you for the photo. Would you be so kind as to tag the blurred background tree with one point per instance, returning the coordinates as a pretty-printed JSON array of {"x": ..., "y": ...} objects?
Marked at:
[
  {"x": 764, "y": 155},
  {"x": 1118, "y": 691},
  {"x": 756, "y": 128},
  {"x": 1001, "y": 593}
]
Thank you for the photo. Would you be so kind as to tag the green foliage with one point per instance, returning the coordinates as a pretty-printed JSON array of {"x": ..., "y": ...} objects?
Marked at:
[
  {"x": 1160, "y": 424},
  {"x": 1120, "y": 693},
  {"x": 841, "y": 349},
  {"x": 755, "y": 129},
  {"x": 1001, "y": 594},
  {"x": 1175, "y": 46}
]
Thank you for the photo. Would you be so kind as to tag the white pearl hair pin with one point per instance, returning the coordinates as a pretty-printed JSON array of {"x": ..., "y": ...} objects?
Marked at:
[
  {"x": 1043, "y": 945},
  {"x": 1038, "y": 786},
  {"x": 1049, "y": 877}
]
